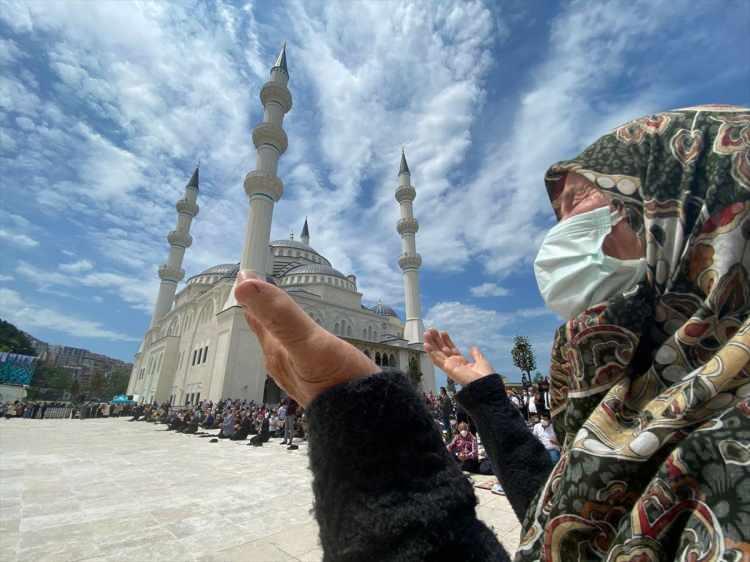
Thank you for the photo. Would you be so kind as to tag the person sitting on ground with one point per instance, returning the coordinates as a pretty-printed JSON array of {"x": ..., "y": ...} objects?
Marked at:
[
  {"x": 227, "y": 426},
  {"x": 264, "y": 433},
  {"x": 464, "y": 448},
  {"x": 546, "y": 434},
  {"x": 242, "y": 429}
]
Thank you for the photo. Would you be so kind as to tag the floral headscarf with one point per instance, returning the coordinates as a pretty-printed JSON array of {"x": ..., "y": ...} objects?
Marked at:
[{"x": 651, "y": 390}]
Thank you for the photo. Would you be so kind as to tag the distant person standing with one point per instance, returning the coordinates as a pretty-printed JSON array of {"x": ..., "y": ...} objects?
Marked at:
[
  {"x": 291, "y": 419},
  {"x": 446, "y": 409}
]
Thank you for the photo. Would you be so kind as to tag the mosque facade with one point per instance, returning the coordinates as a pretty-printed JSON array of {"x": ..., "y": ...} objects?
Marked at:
[{"x": 198, "y": 345}]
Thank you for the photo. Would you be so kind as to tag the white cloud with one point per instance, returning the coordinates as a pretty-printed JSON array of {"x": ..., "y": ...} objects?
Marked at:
[
  {"x": 489, "y": 290},
  {"x": 5, "y": 278},
  {"x": 9, "y": 51},
  {"x": 493, "y": 331},
  {"x": 28, "y": 316},
  {"x": 18, "y": 239},
  {"x": 138, "y": 293},
  {"x": 77, "y": 266}
]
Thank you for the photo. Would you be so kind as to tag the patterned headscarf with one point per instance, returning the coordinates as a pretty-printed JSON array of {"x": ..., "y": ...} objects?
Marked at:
[{"x": 651, "y": 390}]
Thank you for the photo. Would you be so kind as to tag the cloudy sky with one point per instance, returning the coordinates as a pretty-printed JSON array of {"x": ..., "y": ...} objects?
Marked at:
[{"x": 106, "y": 107}]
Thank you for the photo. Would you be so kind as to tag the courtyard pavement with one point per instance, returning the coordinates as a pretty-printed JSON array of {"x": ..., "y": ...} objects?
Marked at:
[{"x": 108, "y": 490}]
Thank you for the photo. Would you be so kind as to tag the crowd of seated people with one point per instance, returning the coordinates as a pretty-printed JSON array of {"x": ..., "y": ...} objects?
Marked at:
[{"x": 236, "y": 420}]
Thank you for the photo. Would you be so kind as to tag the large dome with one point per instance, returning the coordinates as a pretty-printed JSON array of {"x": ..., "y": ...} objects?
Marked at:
[
  {"x": 219, "y": 272},
  {"x": 315, "y": 268},
  {"x": 295, "y": 246},
  {"x": 215, "y": 273}
]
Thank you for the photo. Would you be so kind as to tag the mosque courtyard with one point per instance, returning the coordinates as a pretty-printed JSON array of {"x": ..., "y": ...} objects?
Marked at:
[{"x": 108, "y": 490}]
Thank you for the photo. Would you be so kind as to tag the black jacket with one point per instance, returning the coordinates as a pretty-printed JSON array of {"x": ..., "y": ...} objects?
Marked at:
[{"x": 385, "y": 487}]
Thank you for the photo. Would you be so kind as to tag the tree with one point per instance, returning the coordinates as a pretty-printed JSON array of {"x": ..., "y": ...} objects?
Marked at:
[
  {"x": 75, "y": 389},
  {"x": 14, "y": 340},
  {"x": 414, "y": 374},
  {"x": 523, "y": 358},
  {"x": 117, "y": 382},
  {"x": 97, "y": 384},
  {"x": 538, "y": 377},
  {"x": 49, "y": 382}
]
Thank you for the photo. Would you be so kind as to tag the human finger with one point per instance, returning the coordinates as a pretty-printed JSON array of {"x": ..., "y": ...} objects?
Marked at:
[
  {"x": 431, "y": 337},
  {"x": 274, "y": 309},
  {"x": 481, "y": 363},
  {"x": 449, "y": 342}
]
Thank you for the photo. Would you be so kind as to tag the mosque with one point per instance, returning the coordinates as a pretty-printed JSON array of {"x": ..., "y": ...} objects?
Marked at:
[{"x": 198, "y": 345}]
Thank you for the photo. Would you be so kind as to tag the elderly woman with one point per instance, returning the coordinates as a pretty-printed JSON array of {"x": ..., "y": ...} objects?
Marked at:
[{"x": 650, "y": 384}]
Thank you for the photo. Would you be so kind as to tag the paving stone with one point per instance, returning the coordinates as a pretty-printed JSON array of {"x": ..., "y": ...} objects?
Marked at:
[{"x": 104, "y": 490}]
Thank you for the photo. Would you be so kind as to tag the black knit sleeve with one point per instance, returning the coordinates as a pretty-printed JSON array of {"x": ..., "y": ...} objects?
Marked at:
[
  {"x": 518, "y": 459},
  {"x": 385, "y": 487}
]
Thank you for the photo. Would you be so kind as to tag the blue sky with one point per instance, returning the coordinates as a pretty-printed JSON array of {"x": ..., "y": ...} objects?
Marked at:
[{"x": 106, "y": 107}]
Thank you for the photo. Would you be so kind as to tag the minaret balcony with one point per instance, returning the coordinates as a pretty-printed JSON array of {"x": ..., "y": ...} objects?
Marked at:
[
  {"x": 272, "y": 134},
  {"x": 407, "y": 226},
  {"x": 178, "y": 238},
  {"x": 187, "y": 207},
  {"x": 173, "y": 274},
  {"x": 275, "y": 92},
  {"x": 409, "y": 261},
  {"x": 257, "y": 182},
  {"x": 405, "y": 193}
]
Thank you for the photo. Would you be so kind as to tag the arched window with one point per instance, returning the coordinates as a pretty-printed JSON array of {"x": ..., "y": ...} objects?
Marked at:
[
  {"x": 364, "y": 333},
  {"x": 369, "y": 332},
  {"x": 377, "y": 359},
  {"x": 349, "y": 331},
  {"x": 336, "y": 328},
  {"x": 392, "y": 362}
]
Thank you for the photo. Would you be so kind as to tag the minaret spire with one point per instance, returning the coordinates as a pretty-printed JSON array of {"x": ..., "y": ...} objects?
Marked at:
[
  {"x": 281, "y": 60},
  {"x": 305, "y": 233},
  {"x": 179, "y": 240},
  {"x": 410, "y": 261},
  {"x": 263, "y": 186},
  {"x": 404, "y": 168}
]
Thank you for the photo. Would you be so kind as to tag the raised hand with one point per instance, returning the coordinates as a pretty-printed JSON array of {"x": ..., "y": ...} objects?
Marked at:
[
  {"x": 446, "y": 356},
  {"x": 302, "y": 357}
]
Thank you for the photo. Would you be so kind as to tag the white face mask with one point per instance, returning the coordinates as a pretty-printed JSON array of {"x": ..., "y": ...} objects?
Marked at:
[
  {"x": 572, "y": 270},
  {"x": 464, "y": 433}
]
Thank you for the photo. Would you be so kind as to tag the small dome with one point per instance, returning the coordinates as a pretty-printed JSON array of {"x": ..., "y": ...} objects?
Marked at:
[
  {"x": 315, "y": 269},
  {"x": 384, "y": 310}
]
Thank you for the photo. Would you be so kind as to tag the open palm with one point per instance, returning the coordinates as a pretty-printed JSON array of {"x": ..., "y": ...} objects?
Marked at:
[{"x": 446, "y": 356}]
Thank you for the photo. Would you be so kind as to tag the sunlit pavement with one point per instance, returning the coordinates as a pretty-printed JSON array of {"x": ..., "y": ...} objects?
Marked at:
[{"x": 107, "y": 490}]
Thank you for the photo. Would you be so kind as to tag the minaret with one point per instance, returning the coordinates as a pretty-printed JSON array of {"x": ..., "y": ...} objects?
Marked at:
[
  {"x": 410, "y": 260},
  {"x": 305, "y": 236},
  {"x": 179, "y": 240},
  {"x": 263, "y": 187}
]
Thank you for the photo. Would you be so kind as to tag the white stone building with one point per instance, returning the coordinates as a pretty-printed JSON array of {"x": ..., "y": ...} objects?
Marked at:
[{"x": 198, "y": 345}]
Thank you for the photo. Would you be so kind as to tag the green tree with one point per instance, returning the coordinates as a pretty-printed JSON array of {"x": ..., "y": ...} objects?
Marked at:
[
  {"x": 98, "y": 384},
  {"x": 414, "y": 374},
  {"x": 523, "y": 358},
  {"x": 117, "y": 382},
  {"x": 14, "y": 340},
  {"x": 538, "y": 377},
  {"x": 49, "y": 382},
  {"x": 75, "y": 389}
]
